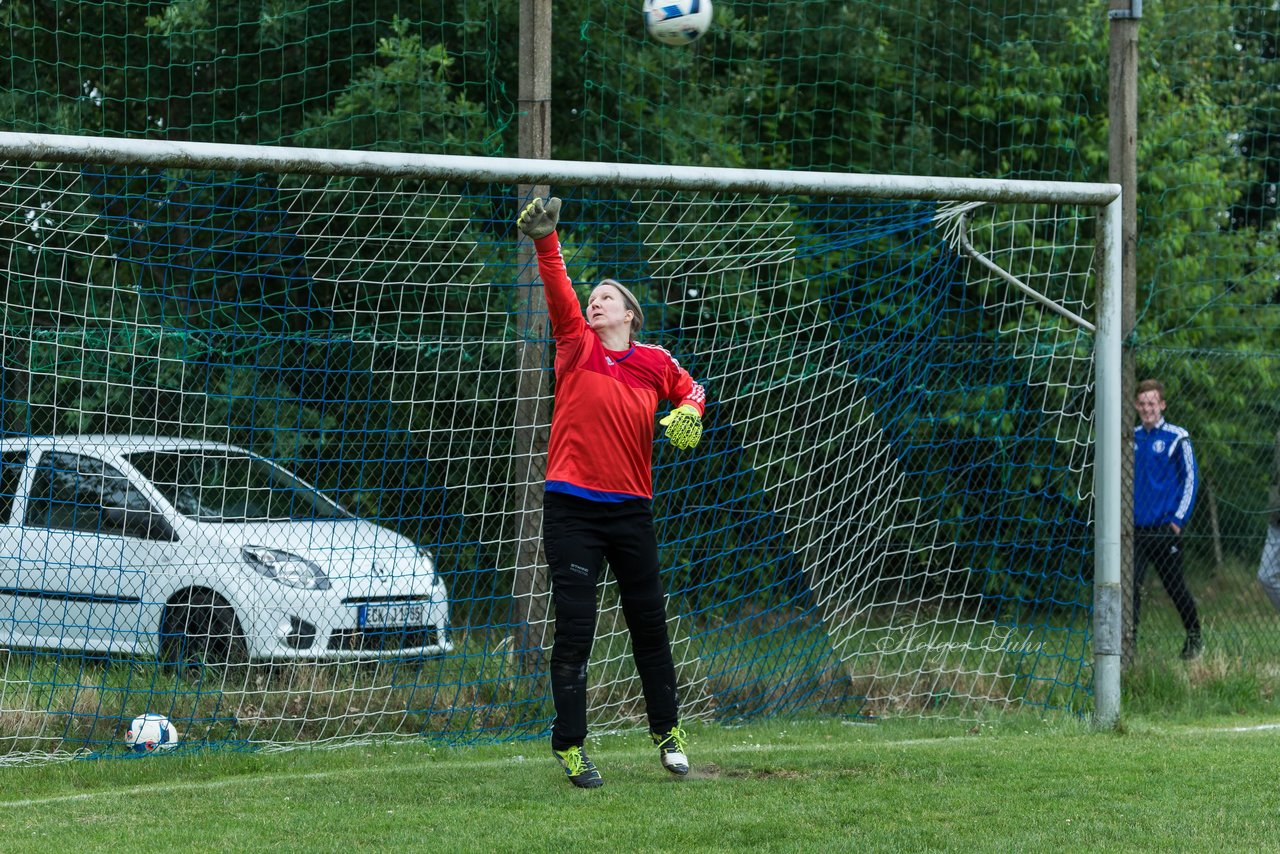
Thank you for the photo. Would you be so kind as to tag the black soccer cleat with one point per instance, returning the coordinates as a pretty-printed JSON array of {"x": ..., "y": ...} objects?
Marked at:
[
  {"x": 671, "y": 749},
  {"x": 580, "y": 770}
]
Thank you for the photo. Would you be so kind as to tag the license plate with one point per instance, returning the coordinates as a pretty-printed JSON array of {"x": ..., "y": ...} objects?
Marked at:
[{"x": 392, "y": 616}]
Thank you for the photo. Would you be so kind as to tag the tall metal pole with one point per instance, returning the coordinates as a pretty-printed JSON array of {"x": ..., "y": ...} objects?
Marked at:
[
  {"x": 533, "y": 415},
  {"x": 1123, "y": 145},
  {"x": 1108, "y": 506}
]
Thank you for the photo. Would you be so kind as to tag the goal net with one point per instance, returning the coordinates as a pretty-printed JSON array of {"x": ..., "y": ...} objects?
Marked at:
[{"x": 273, "y": 425}]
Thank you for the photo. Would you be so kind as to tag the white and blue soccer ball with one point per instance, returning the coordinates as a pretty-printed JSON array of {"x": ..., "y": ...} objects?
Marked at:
[
  {"x": 150, "y": 732},
  {"x": 677, "y": 21}
]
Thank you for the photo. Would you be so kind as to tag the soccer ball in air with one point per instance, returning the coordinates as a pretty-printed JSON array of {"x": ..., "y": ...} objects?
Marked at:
[
  {"x": 677, "y": 21},
  {"x": 151, "y": 732}
]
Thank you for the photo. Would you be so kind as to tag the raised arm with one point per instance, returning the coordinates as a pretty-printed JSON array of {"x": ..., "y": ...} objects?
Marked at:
[{"x": 539, "y": 221}]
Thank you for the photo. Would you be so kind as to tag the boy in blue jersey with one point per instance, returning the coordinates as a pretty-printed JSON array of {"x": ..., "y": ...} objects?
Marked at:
[{"x": 1164, "y": 492}]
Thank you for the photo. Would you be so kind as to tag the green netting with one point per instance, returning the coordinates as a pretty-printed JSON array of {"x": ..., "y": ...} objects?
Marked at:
[{"x": 407, "y": 76}]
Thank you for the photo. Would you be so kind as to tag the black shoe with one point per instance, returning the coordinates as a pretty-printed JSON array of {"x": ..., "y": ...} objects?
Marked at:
[
  {"x": 671, "y": 749},
  {"x": 1192, "y": 647},
  {"x": 580, "y": 770}
]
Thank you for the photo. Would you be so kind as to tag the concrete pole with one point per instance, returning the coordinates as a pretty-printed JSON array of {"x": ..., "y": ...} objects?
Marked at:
[
  {"x": 1124, "y": 16},
  {"x": 533, "y": 414}
]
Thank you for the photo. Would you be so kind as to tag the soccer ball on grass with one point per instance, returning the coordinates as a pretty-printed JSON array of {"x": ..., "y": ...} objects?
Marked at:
[
  {"x": 151, "y": 732},
  {"x": 677, "y": 21}
]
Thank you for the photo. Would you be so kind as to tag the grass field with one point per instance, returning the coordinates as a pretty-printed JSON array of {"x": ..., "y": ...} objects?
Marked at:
[
  {"x": 1191, "y": 767},
  {"x": 1014, "y": 784}
]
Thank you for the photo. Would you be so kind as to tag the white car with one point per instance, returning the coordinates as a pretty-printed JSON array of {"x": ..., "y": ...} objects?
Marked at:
[{"x": 199, "y": 553}]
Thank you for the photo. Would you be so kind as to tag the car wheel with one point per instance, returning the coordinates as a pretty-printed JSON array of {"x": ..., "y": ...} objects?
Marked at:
[{"x": 201, "y": 630}]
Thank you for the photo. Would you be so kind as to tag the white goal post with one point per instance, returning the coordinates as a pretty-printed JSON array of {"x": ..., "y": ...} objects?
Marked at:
[{"x": 706, "y": 201}]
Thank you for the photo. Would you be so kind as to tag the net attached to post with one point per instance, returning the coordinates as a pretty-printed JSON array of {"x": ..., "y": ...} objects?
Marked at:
[{"x": 265, "y": 456}]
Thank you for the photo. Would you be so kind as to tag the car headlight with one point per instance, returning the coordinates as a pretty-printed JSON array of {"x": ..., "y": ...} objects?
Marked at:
[{"x": 285, "y": 567}]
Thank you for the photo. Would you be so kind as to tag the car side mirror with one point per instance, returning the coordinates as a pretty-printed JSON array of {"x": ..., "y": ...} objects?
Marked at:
[
  {"x": 151, "y": 526},
  {"x": 143, "y": 524}
]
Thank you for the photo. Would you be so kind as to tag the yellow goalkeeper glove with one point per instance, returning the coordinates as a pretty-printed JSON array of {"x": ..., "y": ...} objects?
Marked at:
[
  {"x": 684, "y": 427},
  {"x": 538, "y": 220}
]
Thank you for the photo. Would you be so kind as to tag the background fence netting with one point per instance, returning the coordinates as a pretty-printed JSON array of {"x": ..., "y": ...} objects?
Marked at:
[{"x": 1003, "y": 89}]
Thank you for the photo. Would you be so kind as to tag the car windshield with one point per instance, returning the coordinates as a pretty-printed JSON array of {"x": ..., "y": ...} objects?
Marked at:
[{"x": 212, "y": 485}]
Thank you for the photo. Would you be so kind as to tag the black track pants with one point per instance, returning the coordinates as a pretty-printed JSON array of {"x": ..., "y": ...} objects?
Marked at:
[
  {"x": 579, "y": 536},
  {"x": 1162, "y": 548}
]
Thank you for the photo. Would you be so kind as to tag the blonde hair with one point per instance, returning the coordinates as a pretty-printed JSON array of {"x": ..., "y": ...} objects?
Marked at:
[{"x": 632, "y": 304}]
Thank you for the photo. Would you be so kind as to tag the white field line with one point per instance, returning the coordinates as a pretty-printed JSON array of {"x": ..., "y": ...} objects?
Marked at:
[
  {"x": 287, "y": 777},
  {"x": 1256, "y": 728}
]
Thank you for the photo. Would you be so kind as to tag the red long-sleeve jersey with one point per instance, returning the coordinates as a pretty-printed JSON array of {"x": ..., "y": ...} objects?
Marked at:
[{"x": 602, "y": 427}]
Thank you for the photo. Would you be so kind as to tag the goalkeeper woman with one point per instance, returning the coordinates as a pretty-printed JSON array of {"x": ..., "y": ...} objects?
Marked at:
[{"x": 598, "y": 501}]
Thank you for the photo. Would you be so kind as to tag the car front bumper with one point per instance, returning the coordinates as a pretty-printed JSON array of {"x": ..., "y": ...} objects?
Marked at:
[{"x": 334, "y": 631}]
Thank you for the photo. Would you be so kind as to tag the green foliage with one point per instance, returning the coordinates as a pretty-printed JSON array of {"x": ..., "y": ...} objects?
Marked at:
[
  {"x": 408, "y": 98},
  {"x": 183, "y": 25},
  {"x": 1207, "y": 267},
  {"x": 252, "y": 72}
]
